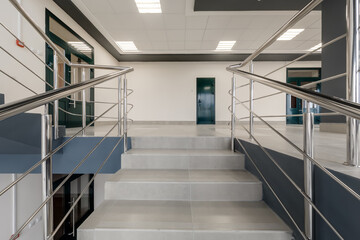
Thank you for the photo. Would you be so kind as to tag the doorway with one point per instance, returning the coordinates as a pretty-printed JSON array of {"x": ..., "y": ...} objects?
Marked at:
[
  {"x": 77, "y": 50},
  {"x": 205, "y": 101},
  {"x": 300, "y": 77}
]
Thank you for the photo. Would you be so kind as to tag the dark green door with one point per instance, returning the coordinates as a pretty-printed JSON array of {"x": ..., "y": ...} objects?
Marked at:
[
  {"x": 294, "y": 106},
  {"x": 205, "y": 100}
]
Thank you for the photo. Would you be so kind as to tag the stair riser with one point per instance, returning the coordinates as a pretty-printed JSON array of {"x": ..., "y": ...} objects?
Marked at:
[
  {"x": 181, "y": 162},
  {"x": 180, "y": 143},
  {"x": 101, "y": 234},
  {"x": 184, "y": 191}
]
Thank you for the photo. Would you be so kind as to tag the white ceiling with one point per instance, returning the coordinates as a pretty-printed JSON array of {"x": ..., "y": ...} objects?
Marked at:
[{"x": 178, "y": 29}]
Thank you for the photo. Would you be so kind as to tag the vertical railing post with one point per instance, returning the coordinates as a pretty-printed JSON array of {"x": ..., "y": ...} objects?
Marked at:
[
  {"x": 233, "y": 106},
  {"x": 56, "y": 102},
  {"x": 353, "y": 85},
  {"x": 251, "y": 101},
  {"x": 83, "y": 96},
  {"x": 46, "y": 173},
  {"x": 125, "y": 113},
  {"x": 119, "y": 105},
  {"x": 308, "y": 124}
]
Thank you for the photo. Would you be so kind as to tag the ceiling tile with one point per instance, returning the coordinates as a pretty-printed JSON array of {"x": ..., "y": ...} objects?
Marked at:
[
  {"x": 129, "y": 35},
  {"x": 216, "y": 22},
  {"x": 307, "y": 34},
  {"x": 173, "y": 6},
  {"x": 121, "y": 21},
  {"x": 238, "y": 22},
  {"x": 95, "y": 7},
  {"x": 175, "y": 35},
  {"x": 209, "y": 45},
  {"x": 242, "y": 45},
  {"x": 157, "y": 35},
  {"x": 194, "y": 35},
  {"x": 251, "y": 34},
  {"x": 160, "y": 45},
  {"x": 174, "y": 21},
  {"x": 196, "y": 22},
  {"x": 176, "y": 45},
  {"x": 143, "y": 45},
  {"x": 153, "y": 21},
  {"x": 193, "y": 45},
  {"x": 231, "y": 34},
  {"x": 211, "y": 34},
  {"x": 123, "y": 6}
]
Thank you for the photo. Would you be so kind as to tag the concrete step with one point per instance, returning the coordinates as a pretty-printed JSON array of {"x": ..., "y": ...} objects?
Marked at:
[
  {"x": 208, "y": 142},
  {"x": 183, "y": 220},
  {"x": 181, "y": 159},
  {"x": 183, "y": 185}
]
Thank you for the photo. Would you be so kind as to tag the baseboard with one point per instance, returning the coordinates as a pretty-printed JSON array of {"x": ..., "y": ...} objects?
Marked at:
[{"x": 333, "y": 127}]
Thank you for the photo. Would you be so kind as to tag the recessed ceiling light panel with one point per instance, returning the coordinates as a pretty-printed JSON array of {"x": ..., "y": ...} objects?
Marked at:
[
  {"x": 225, "y": 45},
  {"x": 81, "y": 46},
  {"x": 316, "y": 47},
  {"x": 148, "y": 6},
  {"x": 127, "y": 46},
  {"x": 290, "y": 34}
]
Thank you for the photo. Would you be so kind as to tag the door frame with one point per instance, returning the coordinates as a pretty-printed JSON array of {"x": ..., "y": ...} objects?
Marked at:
[
  {"x": 299, "y": 120},
  {"x": 67, "y": 120},
  {"x": 196, "y": 100}
]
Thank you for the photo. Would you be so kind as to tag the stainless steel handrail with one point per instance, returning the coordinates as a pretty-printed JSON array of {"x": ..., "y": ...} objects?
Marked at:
[
  {"x": 332, "y": 103},
  {"x": 295, "y": 19},
  {"x": 11, "y": 109}
]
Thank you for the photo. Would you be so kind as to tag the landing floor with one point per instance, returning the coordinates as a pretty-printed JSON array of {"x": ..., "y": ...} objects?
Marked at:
[{"x": 330, "y": 148}]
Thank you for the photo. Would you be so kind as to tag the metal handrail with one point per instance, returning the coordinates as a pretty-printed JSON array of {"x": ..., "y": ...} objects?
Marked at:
[
  {"x": 295, "y": 19},
  {"x": 335, "y": 104},
  {"x": 11, "y": 109}
]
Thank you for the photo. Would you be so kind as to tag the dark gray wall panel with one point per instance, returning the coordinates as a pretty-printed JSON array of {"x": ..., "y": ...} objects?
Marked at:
[
  {"x": 249, "y": 5},
  {"x": 333, "y": 56},
  {"x": 2, "y": 98},
  {"x": 341, "y": 208}
]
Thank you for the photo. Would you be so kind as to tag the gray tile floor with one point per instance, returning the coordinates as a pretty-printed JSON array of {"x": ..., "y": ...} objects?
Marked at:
[{"x": 330, "y": 148}]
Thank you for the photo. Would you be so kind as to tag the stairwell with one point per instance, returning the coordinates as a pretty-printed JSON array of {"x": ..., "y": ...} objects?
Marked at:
[{"x": 180, "y": 188}]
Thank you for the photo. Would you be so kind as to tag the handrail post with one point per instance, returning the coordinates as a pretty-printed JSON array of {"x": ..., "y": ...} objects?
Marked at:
[
  {"x": 83, "y": 104},
  {"x": 46, "y": 173},
  {"x": 251, "y": 100},
  {"x": 56, "y": 102},
  {"x": 308, "y": 125},
  {"x": 119, "y": 105},
  {"x": 233, "y": 105},
  {"x": 353, "y": 84},
  {"x": 125, "y": 113}
]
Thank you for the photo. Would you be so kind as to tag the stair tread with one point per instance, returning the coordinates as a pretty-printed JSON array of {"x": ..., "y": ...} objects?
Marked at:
[
  {"x": 182, "y": 152},
  {"x": 184, "y": 216},
  {"x": 170, "y": 176}
]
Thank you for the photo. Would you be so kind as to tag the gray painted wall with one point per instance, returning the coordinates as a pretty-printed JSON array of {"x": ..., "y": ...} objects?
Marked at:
[
  {"x": 333, "y": 56},
  {"x": 339, "y": 206}
]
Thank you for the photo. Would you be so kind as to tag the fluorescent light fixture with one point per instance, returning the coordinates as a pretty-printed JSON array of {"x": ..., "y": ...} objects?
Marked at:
[
  {"x": 316, "y": 47},
  {"x": 127, "y": 46},
  {"x": 225, "y": 45},
  {"x": 290, "y": 34},
  {"x": 148, "y": 6},
  {"x": 81, "y": 46}
]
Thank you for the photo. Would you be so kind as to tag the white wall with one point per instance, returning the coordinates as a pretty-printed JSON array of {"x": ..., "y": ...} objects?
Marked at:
[
  {"x": 166, "y": 91},
  {"x": 36, "y": 9}
]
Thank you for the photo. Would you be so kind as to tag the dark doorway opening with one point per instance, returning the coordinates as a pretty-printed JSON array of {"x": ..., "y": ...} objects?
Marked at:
[
  {"x": 294, "y": 106},
  {"x": 205, "y": 101}
]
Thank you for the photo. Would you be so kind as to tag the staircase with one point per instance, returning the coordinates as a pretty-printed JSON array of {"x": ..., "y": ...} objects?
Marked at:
[{"x": 182, "y": 188}]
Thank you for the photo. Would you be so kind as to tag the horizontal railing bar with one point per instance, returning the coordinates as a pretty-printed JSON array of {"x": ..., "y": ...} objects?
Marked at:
[
  {"x": 18, "y": 82},
  {"x": 83, "y": 191},
  {"x": 309, "y": 53},
  {"x": 98, "y": 66},
  {"x": 332, "y": 103},
  {"x": 293, "y": 115},
  {"x": 106, "y": 88},
  {"x": 241, "y": 86},
  {"x": 295, "y": 19},
  {"x": 272, "y": 190},
  {"x": 303, "y": 86},
  {"x": 51, "y": 153},
  {"x": 341, "y": 183},
  {"x": 60, "y": 185},
  {"x": 293, "y": 183},
  {"x": 11, "y": 109}
]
